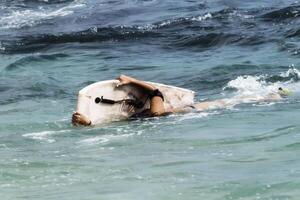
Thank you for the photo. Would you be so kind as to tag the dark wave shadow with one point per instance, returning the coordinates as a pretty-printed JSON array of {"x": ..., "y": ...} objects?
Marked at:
[
  {"x": 33, "y": 59},
  {"x": 262, "y": 137},
  {"x": 290, "y": 12}
]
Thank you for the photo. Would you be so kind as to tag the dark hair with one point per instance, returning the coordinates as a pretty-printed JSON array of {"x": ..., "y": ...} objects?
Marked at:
[{"x": 280, "y": 88}]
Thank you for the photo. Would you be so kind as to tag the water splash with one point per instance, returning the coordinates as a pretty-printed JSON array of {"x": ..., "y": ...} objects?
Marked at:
[
  {"x": 292, "y": 73},
  {"x": 247, "y": 84},
  {"x": 258, "y": 89}
]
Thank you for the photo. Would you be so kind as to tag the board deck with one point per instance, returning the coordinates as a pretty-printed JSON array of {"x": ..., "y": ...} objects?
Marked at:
[{"x": 98, "y": 113}]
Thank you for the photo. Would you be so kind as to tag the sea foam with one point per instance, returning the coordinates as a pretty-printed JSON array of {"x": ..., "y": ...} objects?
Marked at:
[
  {"x": 169, "y": 22},
  {"x": 103, "y": 139},
  {"x": 21, "y": 18},
  {"x": 2, "y": 48},
  {"x": 44, "y": 135}
]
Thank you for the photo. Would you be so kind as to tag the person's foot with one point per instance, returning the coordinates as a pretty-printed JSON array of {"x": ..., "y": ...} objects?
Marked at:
[{"x": 80, "y": 119}]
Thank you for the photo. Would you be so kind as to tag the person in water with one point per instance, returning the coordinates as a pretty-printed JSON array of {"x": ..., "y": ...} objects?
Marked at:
[{"x": 157, "y": 102}]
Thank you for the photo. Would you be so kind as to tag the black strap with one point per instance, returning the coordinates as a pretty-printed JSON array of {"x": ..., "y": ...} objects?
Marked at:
[
  {"x": 156, "y": 93},
  {"x": 102, "y": 100},
  {"x": 135, "y": 103}
]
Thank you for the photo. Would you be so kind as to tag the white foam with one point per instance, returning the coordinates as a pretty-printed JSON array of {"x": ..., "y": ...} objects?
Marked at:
[
  {"x": 95, "y": 140},
  {"x": 168, "y": 22},
  {"x": 165, "y": 23},
  {"x": 247, "y": 84},
  {"x": 104, "y": 139},
  {"x": 254, "y": 89},
  {"x": 44, "y": 135},
  {"x": 201, "y": 18},
  {"x": 195, "y": 115},
  {"x": 2, "y": 48},
  {"x": 29, "y": 17},
  {"x": 241, "y": 15}
]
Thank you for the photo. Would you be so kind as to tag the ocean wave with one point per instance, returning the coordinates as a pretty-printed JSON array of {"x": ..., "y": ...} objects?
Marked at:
[
  {"x": 274, "y": 134},
  {"x": 36, "y": 91},
  {"x": 234, "y": 13},
  {"x": 207, "y": 40},
  {"x": 220, "y": 75},
  {"x": 47, "y": 1},
  {"x": 34, "y": 86},
  {"x": 30, "y": 43},
  {"x": 212, "y": 29},
  {"x": 28, "y": 2},
  {"x": 16, "y": 19},
  {"x": 294, "y": 32},
  {"x": 34, "y": 58},
  {"x": 282, "y": 14},
  {"x": 292, "y": 75},
  {"x": 174, "y": 22},
  {"x": 94, "y": 34}
]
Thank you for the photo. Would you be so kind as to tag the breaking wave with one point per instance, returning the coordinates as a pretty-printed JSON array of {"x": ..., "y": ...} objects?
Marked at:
[{"x": 256, "y": 88}]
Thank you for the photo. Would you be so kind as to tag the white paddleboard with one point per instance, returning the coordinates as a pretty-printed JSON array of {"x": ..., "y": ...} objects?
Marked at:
[{"x": 90, "y": 100}]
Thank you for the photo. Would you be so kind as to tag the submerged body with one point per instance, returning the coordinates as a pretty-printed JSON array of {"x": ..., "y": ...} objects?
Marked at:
[{"x": 157, "y": 107}]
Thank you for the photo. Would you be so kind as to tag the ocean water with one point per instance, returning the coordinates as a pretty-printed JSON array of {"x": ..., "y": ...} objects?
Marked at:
[{"x": 50, "y": 49}]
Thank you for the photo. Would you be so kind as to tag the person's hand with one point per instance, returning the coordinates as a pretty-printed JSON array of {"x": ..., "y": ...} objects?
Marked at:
[
  {"x": 124, "y": 80},
  {"x": 80, "y": 119}
]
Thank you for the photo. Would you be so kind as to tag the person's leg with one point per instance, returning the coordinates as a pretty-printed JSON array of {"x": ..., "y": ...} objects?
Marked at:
[
  {"x": 223, "y": 103},
  {"x": 209, "y": 105}
]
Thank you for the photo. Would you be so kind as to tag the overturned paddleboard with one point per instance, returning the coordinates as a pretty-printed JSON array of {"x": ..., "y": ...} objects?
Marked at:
[{"x": 104, "y": 102}]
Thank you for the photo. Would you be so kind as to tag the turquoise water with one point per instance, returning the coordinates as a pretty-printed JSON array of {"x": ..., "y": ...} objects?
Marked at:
[{"x": 49, "y": 50}]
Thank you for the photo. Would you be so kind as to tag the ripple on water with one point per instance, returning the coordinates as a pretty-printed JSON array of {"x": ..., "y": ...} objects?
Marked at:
[
  {"x": 262, "y": 137},
  {"x": 45, "y": 136},
  {"x": 34, "y": 59}
]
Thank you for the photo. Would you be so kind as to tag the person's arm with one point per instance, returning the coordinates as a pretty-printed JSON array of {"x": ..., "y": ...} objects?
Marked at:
[{"x": 156, "y": 102}]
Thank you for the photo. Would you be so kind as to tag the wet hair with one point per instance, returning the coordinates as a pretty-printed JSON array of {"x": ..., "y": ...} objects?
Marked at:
[{"x": 280, "y": 88}]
